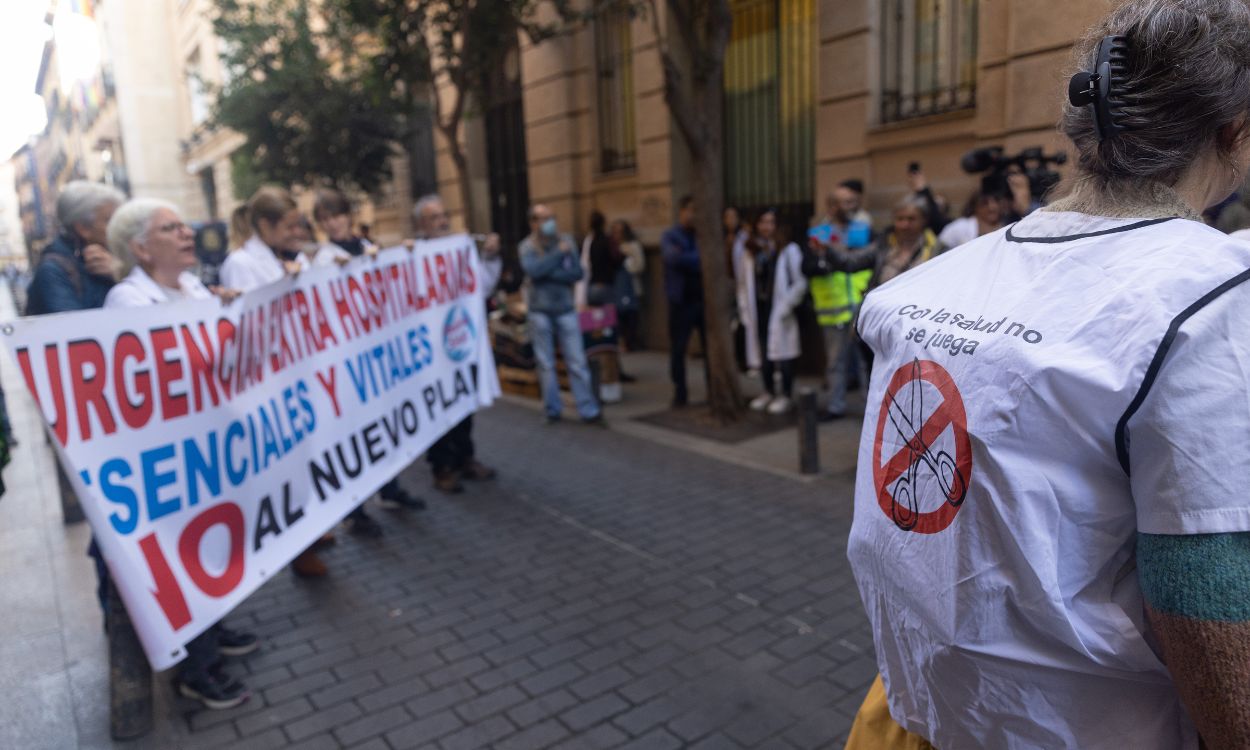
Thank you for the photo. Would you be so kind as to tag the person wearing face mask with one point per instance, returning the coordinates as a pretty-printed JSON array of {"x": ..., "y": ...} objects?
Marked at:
[
  {"x": 551, "y": 269},
  {"x": 271, "y": 253},
  {"x": 273, "y": 250},
  {"x": 333, "y": 212},
  {"x": 150, "y": 235}
]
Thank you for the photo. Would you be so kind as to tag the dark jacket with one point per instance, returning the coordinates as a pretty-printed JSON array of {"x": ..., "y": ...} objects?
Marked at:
[
  {"x": 61, "y": 282},
  {"x": 683, "y": 276}
]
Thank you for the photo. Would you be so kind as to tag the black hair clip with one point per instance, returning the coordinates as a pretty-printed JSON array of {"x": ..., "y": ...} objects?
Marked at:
[{"x": 1100, "y": 87}]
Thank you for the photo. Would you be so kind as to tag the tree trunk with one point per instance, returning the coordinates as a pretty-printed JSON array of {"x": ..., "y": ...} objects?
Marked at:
[
  {"x": 708, "y": 190},
  {"x": 461, "y": 162}
]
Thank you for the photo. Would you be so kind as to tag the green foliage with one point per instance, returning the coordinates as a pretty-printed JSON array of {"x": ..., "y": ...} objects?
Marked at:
[{"x": 299, "y": 96}]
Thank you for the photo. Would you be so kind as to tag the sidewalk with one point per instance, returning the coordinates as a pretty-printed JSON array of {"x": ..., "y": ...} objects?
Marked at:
[
  {"x": 776, "y": 452},
  {"x": 607, "y": 591}
]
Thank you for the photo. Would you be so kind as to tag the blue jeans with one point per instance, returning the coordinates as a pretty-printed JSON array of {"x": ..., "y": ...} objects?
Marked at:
[{"x": 544, "y": 330}]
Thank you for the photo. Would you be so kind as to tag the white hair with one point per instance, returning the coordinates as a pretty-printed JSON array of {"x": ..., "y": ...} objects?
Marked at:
[
  {"x": 914, "y": 202},
  {"x": 423, "y": 203},
  {"x": 79, "y": 200},
  {"x": 131, "y": 222}
]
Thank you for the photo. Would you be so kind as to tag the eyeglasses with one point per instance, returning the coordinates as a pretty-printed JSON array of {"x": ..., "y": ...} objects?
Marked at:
[{"x": 173, "y": 226}]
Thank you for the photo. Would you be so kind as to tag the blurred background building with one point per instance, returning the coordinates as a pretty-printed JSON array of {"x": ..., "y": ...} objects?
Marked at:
[{"x": 816, "y": 91}]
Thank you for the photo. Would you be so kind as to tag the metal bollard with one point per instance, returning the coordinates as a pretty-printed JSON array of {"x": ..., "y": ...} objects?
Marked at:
[
  {"x": 130, "y": 676},
  {"x": 809, "y": 442}
]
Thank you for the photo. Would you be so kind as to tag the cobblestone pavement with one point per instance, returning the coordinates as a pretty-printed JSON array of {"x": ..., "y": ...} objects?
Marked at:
[{"x": 605, "y": 592}]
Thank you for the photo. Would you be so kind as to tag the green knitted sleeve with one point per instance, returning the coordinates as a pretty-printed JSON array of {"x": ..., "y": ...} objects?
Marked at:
[{"x": 1197, "y": 591}]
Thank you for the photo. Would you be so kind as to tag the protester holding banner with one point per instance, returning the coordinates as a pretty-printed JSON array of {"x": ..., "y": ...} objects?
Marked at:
[
  {"x": 451, "y": 457},
  {"x": 151, "y": 235},
  {"x": 273, "y": 249},
  {"x": 75, "y": 272},
  {"x": 269, "y": 254},
  {"x": 333, "y": 212}
]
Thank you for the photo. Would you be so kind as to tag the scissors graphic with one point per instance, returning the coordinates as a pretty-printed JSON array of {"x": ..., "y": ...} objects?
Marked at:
[{"x": 909, "y": 424}]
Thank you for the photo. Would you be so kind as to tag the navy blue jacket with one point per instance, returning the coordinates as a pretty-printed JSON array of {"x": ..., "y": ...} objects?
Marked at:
[
  {"x": 683, "y": 276},
  {"x": 61, "y": 282}
]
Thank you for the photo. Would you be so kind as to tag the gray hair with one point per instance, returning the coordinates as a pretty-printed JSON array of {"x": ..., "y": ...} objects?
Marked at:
[
  {"x": 1187, "y": 80},
  {"x": 914, "y": 202},
  {"x": 423, "y": 203},
  {"x": 131, "y": 222},
  {"x": 79, "y": 200}
]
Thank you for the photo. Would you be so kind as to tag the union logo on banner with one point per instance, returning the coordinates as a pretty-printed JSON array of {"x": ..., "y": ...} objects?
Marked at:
[{"x": 458, "y": 334}]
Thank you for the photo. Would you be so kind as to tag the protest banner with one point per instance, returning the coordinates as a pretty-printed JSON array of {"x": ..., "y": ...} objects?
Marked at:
[{"x": 209, "y": 444}]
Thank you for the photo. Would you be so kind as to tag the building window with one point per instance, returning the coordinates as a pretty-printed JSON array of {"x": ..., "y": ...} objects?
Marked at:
[
  {"x": 614, "y": 65},
  {"x": 196, "y": 90},
  {"x": 928, "y": 57},
  {"x": 770, "y": 108}
]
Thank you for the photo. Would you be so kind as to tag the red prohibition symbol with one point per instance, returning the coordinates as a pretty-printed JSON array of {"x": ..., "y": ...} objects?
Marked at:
[{"x": 919, "y": 475}]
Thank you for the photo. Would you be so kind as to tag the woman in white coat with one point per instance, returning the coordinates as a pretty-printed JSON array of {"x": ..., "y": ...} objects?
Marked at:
[
  {"x": 771, "y": 287},
  {"x": 273, "y": 249},
  {"x": 151, "y": 235}
]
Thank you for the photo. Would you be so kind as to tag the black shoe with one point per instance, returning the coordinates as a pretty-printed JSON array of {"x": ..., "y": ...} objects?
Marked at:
[
  {"x": 628, "y": 378},
  {"x": 212, "y": 693},
  {"x": 680, "y": 400},
  {"x": 553, "y": 419},
  {"x": 596, "y": 421},
  {"x": 364, "y": 526},
  {"x": 829, "y": 416},
  {"x": 399, "y": 499},
  {"x": 235, "y": 642},
  {"x": 218, "y": 672}
]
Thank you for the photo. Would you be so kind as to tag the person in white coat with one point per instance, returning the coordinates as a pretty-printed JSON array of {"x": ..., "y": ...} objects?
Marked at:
[
  {"x": 151, "y": 235},
  {"x": 273, "y": 249},
  {"x": 771, "y": 288},
  {"x": 271, "y": 253}
]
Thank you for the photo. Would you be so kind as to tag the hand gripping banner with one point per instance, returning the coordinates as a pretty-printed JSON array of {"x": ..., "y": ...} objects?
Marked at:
[{"x": 210, "y": 444}]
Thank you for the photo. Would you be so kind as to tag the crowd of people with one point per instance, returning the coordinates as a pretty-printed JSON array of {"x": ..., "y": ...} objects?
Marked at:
[{"x": 114, "y": 253}]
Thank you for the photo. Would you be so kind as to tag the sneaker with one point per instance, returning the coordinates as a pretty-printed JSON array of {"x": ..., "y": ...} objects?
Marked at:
[
  {"x": 761, "y": 402},
  {"x": 364, "y": 526},
  {"x": 235, "y": 642},
  {"x": 308, "y": 565},
  {"x": 218, "y": 672},
  {"x": 830, "y": 416},
  {"x": 780, "y": 405},
  {"x": 212, "y": 693},
  {"x": 477, "y": 470},
  {"x": 399, "y": 499},
  {"x": 448, "y": 483}
]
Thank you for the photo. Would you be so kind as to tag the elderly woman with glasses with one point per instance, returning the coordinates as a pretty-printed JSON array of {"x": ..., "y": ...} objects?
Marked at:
[{"x": 152, "y": 235}]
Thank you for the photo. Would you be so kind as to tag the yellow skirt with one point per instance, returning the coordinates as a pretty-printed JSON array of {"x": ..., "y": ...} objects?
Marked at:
[{"x": 875, "y": 729}]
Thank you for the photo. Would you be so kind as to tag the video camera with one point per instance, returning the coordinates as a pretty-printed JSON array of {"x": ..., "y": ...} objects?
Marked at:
[{"x": 994, "y": 165}]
